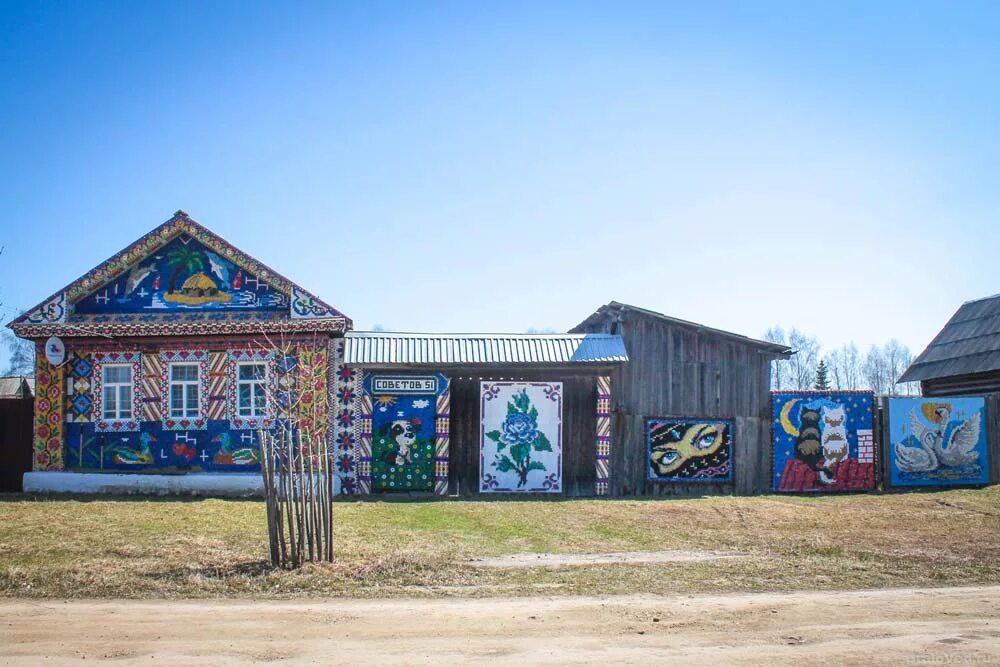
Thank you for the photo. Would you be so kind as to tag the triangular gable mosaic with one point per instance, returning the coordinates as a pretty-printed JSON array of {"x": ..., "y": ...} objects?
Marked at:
[{"x": 180, "y": 279}]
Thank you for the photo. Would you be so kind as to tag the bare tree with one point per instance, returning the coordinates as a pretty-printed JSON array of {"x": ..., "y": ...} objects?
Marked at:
[
  {"x": 780, "y": 368},
  {"x": 20, "y": 355},
  {"x": 804, "y": 360},
  {"x": 845, "y": 367}
]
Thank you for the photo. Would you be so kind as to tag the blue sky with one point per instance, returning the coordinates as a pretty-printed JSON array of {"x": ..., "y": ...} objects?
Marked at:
[{"x": 499, "y": 166}]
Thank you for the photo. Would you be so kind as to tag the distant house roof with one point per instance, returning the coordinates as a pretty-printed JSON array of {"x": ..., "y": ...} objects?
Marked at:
[
  {"x": 17, "y": 386},
  {"x": 615, "y": 309},
  {"x": 382, "y": 348},
  {"x": 969, "y": 343}
]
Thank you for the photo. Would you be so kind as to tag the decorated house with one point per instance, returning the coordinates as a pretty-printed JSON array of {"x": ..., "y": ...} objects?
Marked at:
[
  {"x": 158, "y": 371},
  {"x": 169, "y": 358}
]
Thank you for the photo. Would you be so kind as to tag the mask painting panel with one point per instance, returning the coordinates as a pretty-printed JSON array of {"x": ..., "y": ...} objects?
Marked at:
[
  {"x": 823, "y": 441},
  {"x": 938, "y": 442},
  {"x": 681, "y": 450}
]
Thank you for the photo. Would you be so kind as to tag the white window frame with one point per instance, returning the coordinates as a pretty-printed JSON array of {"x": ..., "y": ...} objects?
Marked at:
[
  {"x": 121, "y": 389},
  {"x": 255, "y": 386},
  {"x": 185, "y": 390}
]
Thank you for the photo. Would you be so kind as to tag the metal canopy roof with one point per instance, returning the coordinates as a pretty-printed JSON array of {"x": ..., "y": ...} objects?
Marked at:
[{"x": 378, "y": 348}]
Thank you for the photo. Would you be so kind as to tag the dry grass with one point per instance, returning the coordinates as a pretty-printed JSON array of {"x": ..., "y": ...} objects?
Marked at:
[{"x": 216, "y": 548}]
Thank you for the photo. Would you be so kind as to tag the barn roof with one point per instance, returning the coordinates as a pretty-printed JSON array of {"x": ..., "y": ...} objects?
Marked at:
[
  {"x": 382, "y": 348},
  {"x": 17, "y": 386},
  {"x": 615, "y": 310},
  {"x": 969, "y": 343}
]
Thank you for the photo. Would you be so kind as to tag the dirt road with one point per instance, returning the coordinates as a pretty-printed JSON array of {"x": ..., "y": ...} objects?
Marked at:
[{"x": 932, "y": 626}]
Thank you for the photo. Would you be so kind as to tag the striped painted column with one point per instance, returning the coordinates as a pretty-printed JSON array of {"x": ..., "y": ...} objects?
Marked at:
[
  {"x": 364, "y": 460},
  {"x": 603, "y": 449},
  {"x": 443, "y": 436}
]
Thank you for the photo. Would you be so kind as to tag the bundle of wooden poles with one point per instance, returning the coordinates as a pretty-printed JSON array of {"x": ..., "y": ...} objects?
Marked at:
[{"x": 298, "y": 487}]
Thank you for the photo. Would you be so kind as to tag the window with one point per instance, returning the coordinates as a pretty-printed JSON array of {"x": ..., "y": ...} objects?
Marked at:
[
  {"x": 117, "y": 380},
  {"x": 251, "y": 399},
  {"x": 183, "y": 390}
]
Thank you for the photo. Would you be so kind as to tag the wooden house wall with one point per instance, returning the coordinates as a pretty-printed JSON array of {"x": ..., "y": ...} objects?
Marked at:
[
  {"x": 962, "y": 385},
  {"x": 684, "y": 372}
]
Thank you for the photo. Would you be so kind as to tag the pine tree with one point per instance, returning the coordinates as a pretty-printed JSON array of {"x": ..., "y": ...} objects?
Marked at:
[{"x": 822, "y": 381}]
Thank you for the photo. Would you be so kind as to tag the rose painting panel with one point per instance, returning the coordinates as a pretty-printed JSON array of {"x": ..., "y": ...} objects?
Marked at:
[
  {"x": 689, "y": 450},
  {"x": 521, "y": 437},
  {"x": 823, "y": 441},
  {"x": 937, "y": 442}
]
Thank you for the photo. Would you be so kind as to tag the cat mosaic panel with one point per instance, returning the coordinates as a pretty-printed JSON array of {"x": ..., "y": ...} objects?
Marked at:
[
  {"x": 404, "y": 430},
  {"x": 689, "y": 450},
  {"x": 938, "y": 441},
  {"x": 823, "y": 441},
  {"x": 520, "y": 437}
]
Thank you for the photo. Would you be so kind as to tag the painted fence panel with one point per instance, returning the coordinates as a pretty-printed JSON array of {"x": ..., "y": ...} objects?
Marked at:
[
  {"x": 404, "y": 430},
  {"x": 823, "y": 441},
  {"x": 521, "y": 437},
  {"x": 938, "y": 441},
  {"x": 689, "y": 450}
]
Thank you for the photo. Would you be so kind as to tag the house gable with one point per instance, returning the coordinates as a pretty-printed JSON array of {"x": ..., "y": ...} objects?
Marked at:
[{"x": 179, "y": 278}]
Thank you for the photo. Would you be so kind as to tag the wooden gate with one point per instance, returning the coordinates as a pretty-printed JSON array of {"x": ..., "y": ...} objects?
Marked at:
[{"x": 16, "y": 416}]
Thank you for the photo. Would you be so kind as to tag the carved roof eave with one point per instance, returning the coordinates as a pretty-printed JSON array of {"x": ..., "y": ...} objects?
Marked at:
[{"x": 330, "y": 325}]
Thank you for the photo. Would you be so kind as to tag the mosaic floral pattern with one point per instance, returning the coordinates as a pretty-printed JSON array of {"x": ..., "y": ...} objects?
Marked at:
[
  {"x": 520, "y": 437},
  {"x": 48, "y": 442}
]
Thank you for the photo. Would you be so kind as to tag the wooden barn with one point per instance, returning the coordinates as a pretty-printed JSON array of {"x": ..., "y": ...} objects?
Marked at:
[
  {"x": 692, "y": 411},
  {"x": 471, "y": 414},
  {"x": 964, "y": 358}
]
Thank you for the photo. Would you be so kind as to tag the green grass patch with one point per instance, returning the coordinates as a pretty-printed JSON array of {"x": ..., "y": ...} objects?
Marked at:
[{"x": 129, "y": 548}]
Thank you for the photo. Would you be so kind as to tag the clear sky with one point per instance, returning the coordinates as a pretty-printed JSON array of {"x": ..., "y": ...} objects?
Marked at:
[{"x": 477, "y": 166}]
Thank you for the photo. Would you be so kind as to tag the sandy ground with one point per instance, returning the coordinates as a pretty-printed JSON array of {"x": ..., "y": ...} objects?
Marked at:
[
  {"x": 625, "y": 557},
  {"x": 931, "y": 626}
]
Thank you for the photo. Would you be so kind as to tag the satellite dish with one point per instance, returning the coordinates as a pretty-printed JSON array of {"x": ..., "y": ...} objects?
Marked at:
[{"x": 55, "y": 351}]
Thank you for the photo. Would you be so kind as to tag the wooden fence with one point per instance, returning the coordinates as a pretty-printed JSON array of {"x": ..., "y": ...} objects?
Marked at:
[{"x": 16, "y": 417}]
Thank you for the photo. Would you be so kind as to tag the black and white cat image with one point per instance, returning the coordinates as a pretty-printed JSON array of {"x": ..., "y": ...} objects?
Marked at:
[
  {"x": 809, "y": 447},
  {"x": 402, "y": 433}
]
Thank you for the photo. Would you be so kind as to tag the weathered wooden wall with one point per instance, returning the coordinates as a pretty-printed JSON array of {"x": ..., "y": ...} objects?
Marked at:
[
  {"x": 578, "y": 439},
  {"x": 688, "y": 372}
]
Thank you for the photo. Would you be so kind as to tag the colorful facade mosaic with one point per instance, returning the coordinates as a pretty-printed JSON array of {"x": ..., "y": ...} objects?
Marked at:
[
  {"x": 49, "y": 425},
  {"x": 520, "y": 437},
  {"x": 110, "y": 406},
  {"x": 409, "y": 430},
  {"x": 180, "y": 279},
  {"x": 603, "y": 444},
  {"x": 689, "y": 450},
  {"x": 823, "y": 441},
  {"x": 938, "y": 441}
]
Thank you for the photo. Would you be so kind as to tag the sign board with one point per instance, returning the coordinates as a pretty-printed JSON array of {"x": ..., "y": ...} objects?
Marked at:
[
  {"x": 55, "y": 351},
  {"x": 404, "y": 384}
]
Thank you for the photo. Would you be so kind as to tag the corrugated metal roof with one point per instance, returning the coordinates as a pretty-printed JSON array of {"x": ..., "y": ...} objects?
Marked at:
[
  {"x": 968, "y": 343},
  {"x": 382, "y": 348}
]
